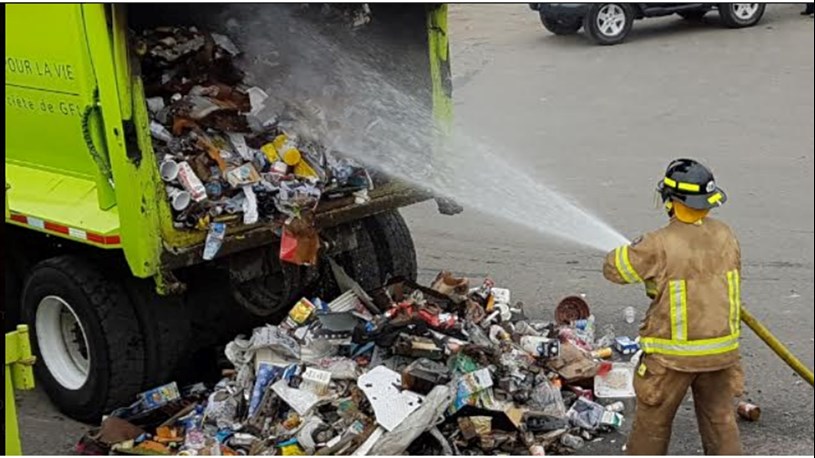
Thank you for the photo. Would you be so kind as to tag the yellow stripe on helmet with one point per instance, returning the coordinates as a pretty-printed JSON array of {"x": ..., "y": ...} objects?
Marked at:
[{"x": 690, "y": 187}]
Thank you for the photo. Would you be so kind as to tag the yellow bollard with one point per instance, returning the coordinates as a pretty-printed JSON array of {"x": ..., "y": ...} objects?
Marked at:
[
  {"x": 764, "y": 334},
  {"x": 18, "y": 376}
]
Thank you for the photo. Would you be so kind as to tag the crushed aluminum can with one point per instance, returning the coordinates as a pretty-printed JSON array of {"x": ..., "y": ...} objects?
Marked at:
[{"x": 749, "y": 412}]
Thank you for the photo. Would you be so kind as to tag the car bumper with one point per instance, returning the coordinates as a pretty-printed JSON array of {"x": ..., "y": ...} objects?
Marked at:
[{"x": 561, "y": 10}]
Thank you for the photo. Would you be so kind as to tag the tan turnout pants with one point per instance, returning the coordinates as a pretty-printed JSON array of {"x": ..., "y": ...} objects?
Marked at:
[{"x": 660, "y": 392}]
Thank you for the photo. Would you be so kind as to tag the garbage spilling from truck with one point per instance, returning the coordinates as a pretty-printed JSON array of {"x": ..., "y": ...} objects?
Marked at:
[
  {"x": 221, "y": 163},
  {"x": 453, "y": 368}
]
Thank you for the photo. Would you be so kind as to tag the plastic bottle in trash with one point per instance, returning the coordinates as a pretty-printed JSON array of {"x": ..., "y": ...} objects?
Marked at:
[
  {"x": 286, "y": 149},
  {"x": 618, "y": 407},
  {"x": 214, "y": 240},
  {"x": 194, "y": 437},
  {"x": 571, "y": 441},
  {"x": 160, "y": 132},
  {"x": 629, "y": 314}
]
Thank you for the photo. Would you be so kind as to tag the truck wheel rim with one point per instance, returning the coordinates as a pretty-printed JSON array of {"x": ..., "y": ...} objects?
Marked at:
[
  {"x": 744, "y": 11},
  {"x": 62, "y": 342},
  {"x": 611, "y": 20}
]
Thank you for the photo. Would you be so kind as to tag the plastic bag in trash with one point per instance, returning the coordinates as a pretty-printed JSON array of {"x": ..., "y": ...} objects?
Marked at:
[
  {"x": 547, "y": 398},
  {"x": 276, "y": 339},
  {"x": 250, "y": 206},
  {"x": 305, "y": 434},
  {"x": 423, "y": 419},
  {"x": 300, "y": 400},
  {"x": 607, "y": 340},
  {"x": 266, "y": 374},
  {"x": 222, "y": 408},
  {"x": 586, "y": 414},
  {"x": 313, "y": 351},
  {"x": 341, "y": 368}
]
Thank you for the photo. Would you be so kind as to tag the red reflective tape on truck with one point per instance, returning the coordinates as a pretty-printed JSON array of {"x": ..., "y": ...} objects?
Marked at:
[
  {"x": 71, "y": 232},
  {"x": 53, "y": 227}
]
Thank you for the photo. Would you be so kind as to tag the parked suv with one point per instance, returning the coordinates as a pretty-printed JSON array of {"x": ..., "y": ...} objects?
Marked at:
[{"x": 610, "y": 23}]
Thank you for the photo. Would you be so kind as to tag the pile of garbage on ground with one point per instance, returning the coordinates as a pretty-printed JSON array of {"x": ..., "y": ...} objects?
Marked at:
[
  {"x": 223, "y": 164},
  {"x": 404, "y": 369}
]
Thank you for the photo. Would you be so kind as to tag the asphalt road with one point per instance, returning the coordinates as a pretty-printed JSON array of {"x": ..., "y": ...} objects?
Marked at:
[{"x": 600, "y": 124}]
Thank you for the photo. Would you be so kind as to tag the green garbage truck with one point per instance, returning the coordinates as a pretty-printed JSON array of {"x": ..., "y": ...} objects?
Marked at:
[{"x": 117, "y": 298}]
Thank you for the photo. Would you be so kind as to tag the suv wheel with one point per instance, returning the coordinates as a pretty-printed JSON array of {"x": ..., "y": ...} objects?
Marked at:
[
  {"x": 561, "y": 26},
  {"x": 608, "y": 23},
  {"x": 738, "y": 15}
]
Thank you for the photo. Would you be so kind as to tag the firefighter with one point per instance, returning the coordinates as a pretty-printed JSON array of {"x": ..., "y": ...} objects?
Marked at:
[{"x": 690, "y": 334}]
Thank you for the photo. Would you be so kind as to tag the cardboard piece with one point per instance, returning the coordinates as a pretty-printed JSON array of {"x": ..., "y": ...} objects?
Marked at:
[{"x": 573, "y": 364}]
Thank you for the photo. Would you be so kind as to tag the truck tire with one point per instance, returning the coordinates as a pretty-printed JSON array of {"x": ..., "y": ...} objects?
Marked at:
[
  {"x": 362, "y": 263},
  {"x": 561, "y": 26},
  {"x": 85, "y": 333},
  {"x": 609, "y": 23},
  {"x": 739, "y": 15},
  {"x": 384, "y": 250},
  {"x": 165, "y": 328},
  {"x": 269, "y": 295},
  {"x": 393, "y": 244}
]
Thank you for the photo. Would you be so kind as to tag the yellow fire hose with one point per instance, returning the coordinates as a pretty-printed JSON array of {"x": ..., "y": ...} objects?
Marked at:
[{"x": 764, "y": 334}]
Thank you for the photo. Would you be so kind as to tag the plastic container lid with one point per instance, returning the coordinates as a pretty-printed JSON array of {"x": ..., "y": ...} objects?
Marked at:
[{"x": 616, "y": 383}]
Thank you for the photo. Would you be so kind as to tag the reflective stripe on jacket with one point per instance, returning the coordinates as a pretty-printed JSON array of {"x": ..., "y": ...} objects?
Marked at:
[{"x": 692, "y": 274}]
